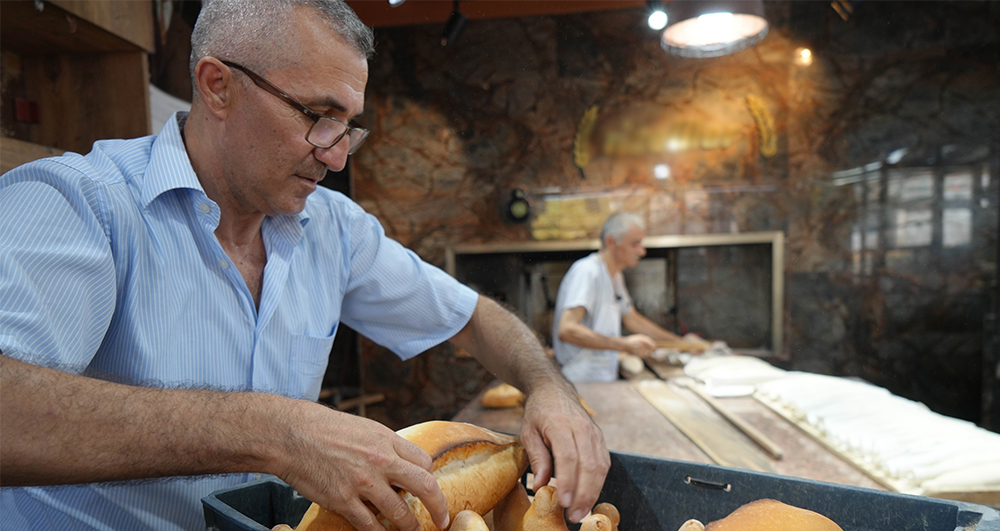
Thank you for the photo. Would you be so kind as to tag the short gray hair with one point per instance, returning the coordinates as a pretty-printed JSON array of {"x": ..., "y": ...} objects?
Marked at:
[
  {"x": 618, "y": 224},
  {"x": 251, "y": 32}
]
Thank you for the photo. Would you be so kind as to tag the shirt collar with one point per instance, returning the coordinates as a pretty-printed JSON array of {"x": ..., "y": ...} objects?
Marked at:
[{"x": 169, "y": 167}]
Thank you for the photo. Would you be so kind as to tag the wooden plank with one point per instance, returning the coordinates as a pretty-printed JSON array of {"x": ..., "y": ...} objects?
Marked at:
[
  {"x": 664, "y": 369},
  {"x": 14, "y": 152},
  {"x": 25, "y": 29},
  {"x": 131, "y": 20},
  {"x": 755, "y": 435},
  {"x": 711, "y": 434},
  {"x": 685, "y": 345},
  {"x": 87, "y": 97}
]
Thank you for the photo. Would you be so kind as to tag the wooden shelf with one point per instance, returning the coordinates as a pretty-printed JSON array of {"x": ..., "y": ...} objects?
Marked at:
[
  {"x": 83, "y": 64},
  {"x": 76, "y": 27}
]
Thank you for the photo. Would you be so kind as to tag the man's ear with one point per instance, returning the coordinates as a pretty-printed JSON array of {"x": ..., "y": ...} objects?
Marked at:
[{"x": 216, "y": 85}]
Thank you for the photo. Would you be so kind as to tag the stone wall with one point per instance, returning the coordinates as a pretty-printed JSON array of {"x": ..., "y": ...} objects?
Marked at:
[{"x": 890, "y": 255}]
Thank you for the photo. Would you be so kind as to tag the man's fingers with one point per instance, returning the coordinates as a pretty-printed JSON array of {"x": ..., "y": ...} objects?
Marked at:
[
  {"x": 424, "y": 485},
  {"x": 361, "y": 517},
  {"x": 392, "y": 507},
  {"x": 539, "y": 458},
  {"x": 564, "y": 453},
  {"x": 594, "y": 462},
  {"x": 412, "y": 453}
]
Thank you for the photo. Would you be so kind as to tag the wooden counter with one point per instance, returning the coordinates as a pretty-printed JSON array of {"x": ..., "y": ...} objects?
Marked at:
[{"x": 631, "y": 424}]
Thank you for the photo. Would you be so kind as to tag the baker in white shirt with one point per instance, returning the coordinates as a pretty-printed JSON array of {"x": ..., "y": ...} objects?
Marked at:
[{"x": 593, "y": 304}]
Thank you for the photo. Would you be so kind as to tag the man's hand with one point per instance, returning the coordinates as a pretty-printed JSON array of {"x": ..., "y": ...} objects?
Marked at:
[
  {"x": 553, "y": 418},
  {"x": 354, "y": 466},
  {"x": 639, "y": 345}
]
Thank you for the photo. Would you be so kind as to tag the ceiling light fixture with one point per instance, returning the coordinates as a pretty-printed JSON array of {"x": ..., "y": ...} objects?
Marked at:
[
  {"x": 454, "y": 27},
  {"x": 396, "y": 3},
  {"x": 657, "y": 16},
  {"x": 712, "y": 28}
]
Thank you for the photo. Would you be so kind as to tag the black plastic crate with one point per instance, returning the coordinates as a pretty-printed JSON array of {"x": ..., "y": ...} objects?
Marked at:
[{"x": 656, "y": 494}]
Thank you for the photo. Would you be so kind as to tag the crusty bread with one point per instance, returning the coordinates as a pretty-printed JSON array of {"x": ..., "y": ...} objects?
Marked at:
[
  {"x": 611, "y": 512},
  {"x": 596, "y": 522},
  {"x": 545, "y": 513},
  {"x": 772, "y": 515},
  {"x": 692, "y": 525},
  {"x": 468, "y": 521},
  {"x": 474, "y": 467},
  {"x": 502, "y": 396},
  {"x": 509, "y": 513}
]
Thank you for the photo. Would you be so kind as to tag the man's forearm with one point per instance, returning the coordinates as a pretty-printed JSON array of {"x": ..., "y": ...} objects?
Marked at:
[
  {"x": 58, "y": 428},
  {"x": 637, "y": 323},
  {"x": 508, "y": 348},
  {"x": 582, "y": 336}
]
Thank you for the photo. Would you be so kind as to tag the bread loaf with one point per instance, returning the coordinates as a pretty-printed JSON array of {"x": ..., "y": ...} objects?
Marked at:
[
  {"x": 509, "y": 513},
  {"x": 468, "y": 521},
  {"x": 474, "y": 467},
  {"x": 772, "y": 515},
  {"x": 545, "y": 513},
  {"x": 611, "y": 512},
  {"x": 502, "y": 396},
  {"x": 596, "y": 522}
]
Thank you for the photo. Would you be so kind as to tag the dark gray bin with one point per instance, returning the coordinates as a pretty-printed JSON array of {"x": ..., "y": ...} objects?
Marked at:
[{"x": 656, "y": 494}]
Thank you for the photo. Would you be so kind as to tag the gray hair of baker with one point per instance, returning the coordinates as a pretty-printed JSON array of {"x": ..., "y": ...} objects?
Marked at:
[
  {"x": 253, "y": 32},
  {"x": 618, "y": 224}
]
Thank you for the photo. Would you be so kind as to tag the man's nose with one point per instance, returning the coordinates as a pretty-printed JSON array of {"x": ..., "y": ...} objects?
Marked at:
[{"x": 334, "y": 157}]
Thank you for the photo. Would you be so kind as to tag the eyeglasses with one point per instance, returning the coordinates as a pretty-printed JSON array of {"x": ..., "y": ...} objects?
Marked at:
[{"x": 326, "y": 131}]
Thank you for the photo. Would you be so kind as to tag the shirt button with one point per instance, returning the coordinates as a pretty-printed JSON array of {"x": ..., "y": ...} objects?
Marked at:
[
  {"x": 205, "y": 208},
  {"x": 223, "y": 264}
]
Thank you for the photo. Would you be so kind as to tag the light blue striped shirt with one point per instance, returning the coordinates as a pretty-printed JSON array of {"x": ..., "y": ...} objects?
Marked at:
[{"x": 109, "y": 264}]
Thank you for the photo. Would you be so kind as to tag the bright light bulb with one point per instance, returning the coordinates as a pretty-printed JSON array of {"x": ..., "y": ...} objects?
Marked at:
[
  {"x": 657, "y": 20},
  {"x": 395, "y": 3},
  {"x": 717, "y": 27},
  {"x": 661, "y": 171},
  {"x": 803, "y": 57}
]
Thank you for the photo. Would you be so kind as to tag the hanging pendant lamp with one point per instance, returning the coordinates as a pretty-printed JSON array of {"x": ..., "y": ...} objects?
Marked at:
[{"x": 711, "y": 28}]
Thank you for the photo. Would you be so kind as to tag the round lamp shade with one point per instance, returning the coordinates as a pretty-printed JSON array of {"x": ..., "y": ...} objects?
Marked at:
[{"x": 711, "y": 28}]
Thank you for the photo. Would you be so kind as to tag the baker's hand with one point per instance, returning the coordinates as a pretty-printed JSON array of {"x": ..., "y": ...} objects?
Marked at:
[
  {"x": 555, "y": 421},
  {"x": 639, "y": 345},
  {"x": 351, "y": 465}
]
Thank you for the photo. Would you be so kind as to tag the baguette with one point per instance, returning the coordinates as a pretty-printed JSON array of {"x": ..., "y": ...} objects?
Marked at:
[
  {"x": 474, "y": 467},
  {"x": 502, "y": 396}
]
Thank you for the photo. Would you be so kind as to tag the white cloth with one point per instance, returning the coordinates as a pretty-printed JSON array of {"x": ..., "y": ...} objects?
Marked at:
[{"x": 606, "y": 300}]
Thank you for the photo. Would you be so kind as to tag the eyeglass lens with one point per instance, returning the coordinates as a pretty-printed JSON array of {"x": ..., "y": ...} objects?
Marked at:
[{"x": 326, "y": 132}]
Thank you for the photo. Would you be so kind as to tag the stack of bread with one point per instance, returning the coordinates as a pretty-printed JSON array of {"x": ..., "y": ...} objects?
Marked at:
[
  {"x": 476, "y": 468},
  {"x": 478, "y": 471}
]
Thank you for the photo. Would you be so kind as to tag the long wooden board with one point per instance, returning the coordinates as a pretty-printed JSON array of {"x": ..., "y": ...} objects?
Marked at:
[{"x": 716, "y": 437}]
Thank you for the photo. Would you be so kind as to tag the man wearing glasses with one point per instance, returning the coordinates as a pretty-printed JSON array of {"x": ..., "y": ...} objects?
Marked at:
[{"x": 169, "y": 301}]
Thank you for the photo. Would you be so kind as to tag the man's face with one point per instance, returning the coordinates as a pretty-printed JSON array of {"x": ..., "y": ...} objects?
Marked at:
[
  {"x": 629, "y": 251},
  {"x": 270, "y": 167}
]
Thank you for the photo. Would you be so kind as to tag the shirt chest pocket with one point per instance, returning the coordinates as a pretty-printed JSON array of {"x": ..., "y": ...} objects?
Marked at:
[{"x": 309, "y": 358}]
